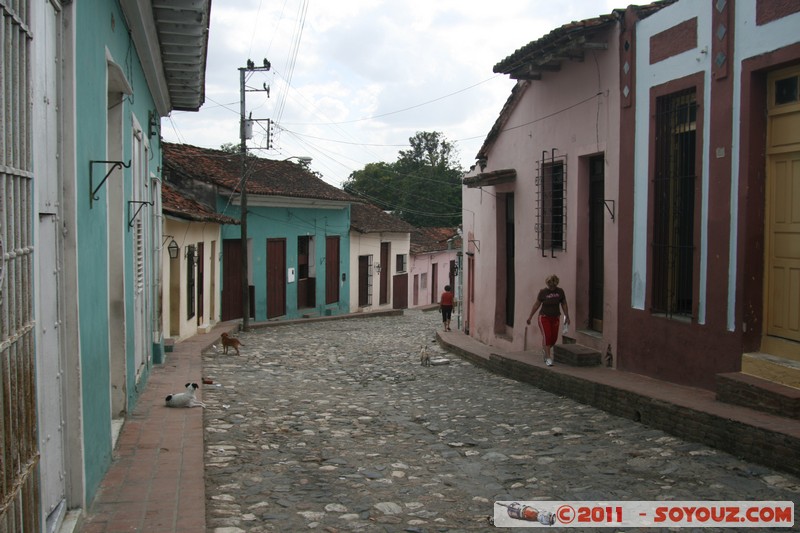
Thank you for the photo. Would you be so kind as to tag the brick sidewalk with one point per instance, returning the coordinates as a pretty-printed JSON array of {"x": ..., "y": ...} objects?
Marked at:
[{"x": 156, "y": 482}]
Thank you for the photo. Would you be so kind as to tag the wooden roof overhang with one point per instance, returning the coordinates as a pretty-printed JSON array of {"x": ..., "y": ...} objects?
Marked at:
[
  {"x": 567, "y": 43},
  {"x": 495, "y": 177}
]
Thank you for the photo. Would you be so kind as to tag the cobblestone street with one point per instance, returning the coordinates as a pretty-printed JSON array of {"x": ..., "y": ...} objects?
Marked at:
[{"x": 335, "y": 426}]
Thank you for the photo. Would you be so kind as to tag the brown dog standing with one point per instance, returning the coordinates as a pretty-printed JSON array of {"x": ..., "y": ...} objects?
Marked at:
[{"x": 228, "y": 341}]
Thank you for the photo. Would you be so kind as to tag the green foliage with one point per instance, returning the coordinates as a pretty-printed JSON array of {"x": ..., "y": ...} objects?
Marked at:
[
  {"x": 423, "y": 187},
  {"x": 233, "y": 148}
]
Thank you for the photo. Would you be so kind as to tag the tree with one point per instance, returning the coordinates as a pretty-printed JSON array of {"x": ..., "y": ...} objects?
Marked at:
[
  {"x": 423, "y": 187},
  {"x": 432, "y": 181},
  {"x": 374, "y": 183},
  {"x": 233, "y": 148}
]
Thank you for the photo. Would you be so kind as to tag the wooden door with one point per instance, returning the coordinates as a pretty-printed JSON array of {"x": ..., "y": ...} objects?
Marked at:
[
  {"x": 276, "y": 277},
  {"x": 332, "y": 270},
  {"x": 434, "y": 283},
  {"x": 200, "y": 282},
  {"x": 364, "y": 277},
  {"x": 400, "y": 291},
  {"x": 782, "y": 306},
  {"x": 782, "y": 224},
  {"x": 231, "y": 279},
  {"x": 386, "y": 269}
]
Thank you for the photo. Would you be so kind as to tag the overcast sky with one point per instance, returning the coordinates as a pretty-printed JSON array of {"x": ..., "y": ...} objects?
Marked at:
[{"x": 352, "y": 80}]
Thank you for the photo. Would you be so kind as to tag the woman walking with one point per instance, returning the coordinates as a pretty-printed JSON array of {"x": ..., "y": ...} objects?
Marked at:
[{"x": 551, "y": 300}]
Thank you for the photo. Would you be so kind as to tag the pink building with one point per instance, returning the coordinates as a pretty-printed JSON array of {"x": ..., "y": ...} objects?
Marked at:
[
  {"x": 435, "y": 254},
  {"x": 543, "y": 197},
  {"x": 651, "y": 159}
]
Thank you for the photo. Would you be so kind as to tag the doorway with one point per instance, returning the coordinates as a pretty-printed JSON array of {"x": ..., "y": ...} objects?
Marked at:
[
  {"x": 276, "y": 278},
  {"x": 781, "y": 333},
  {"x": 200, "y": 283},
  {"x": 596, "y": 246}
]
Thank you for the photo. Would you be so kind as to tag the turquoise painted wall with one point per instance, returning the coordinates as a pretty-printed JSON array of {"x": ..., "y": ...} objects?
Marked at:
[
  {"x": 290, "y": 223},
  {"x": 100, "y": 25}
]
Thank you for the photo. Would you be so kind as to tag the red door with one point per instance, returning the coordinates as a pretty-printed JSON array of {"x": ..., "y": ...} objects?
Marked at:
[
  {"x": 276, "y": 277},
  {"x": 331, "y": 270},
  {"x": 434, "y": 283},
  {"x": 364, "y": 294},
  {"x": 400, "y": 291},
  {"x": 200, "y": 282},
  {"x": 231, "y": 279},
  {"x": 386, "y": 269}
]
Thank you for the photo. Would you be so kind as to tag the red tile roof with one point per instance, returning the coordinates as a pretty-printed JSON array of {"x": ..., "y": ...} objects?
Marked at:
[
  {"x": 568, "y": 39},
  {"x": 367, "y": 218},
  {"x": 427, "y": 240},
  {"x": 546, "y": 53},
  {"x": 264, "y": 176},
  {"x": 175, "y": 204}
]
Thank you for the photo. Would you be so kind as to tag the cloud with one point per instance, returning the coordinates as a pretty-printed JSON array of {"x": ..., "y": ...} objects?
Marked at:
[{"x": 353, "y": 80}]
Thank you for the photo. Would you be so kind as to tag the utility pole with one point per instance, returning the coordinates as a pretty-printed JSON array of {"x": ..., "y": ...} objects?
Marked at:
[{"x": 245, "y": 126}]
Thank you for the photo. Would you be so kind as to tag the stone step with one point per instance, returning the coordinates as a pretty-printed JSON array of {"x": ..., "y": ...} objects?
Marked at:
[
  {"x": 745, "y": 390},
  {"x": 776, "y": 368},
  {"x": 576, "y": 355}
]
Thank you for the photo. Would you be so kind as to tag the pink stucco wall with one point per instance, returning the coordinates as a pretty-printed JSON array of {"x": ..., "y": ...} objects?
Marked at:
[
  {"x": 575, "y": 111},
  {"x": 423, "y": 264}
]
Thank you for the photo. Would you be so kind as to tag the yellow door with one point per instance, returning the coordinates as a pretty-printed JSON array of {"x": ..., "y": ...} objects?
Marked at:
[
  {"x": 778, "y": 358},
  {"x": 782, "y": 224},
  {"x": 783, "y": 246}
]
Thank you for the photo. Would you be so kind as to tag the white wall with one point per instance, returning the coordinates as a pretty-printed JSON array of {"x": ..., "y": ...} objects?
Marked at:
[
  {"x": 175, "y": 273},
  {"x": 370, "y": 244}
]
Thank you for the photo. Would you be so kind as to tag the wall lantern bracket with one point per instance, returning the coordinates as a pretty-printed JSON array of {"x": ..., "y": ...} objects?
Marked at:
[
  {"x": 611, "y": 207},
  {"x": 141, "y": 204},
  {"x": 92, "y": 189}
]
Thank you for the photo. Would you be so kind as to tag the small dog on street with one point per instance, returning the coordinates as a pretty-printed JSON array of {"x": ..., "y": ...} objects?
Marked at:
[
  {"x": 185, "y": 399},
  {"x": 424, "y": 357},
  {"x": 230, "y": 342}
]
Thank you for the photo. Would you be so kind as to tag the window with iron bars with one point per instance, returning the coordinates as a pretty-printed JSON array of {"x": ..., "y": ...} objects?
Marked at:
[
  {"x": 674, "y": 204},
  {"x": 551, "y": 205}
]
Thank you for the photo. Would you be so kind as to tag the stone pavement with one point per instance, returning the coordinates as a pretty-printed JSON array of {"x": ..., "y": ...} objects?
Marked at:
[{"x": 334, "y": 426}]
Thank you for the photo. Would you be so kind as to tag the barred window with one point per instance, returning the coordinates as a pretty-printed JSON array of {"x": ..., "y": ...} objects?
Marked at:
[
  {"x": 552, "y": 204},
  {"x": 674, "y": 203}
]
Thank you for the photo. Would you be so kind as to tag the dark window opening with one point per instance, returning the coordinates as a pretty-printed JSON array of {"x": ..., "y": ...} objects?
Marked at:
[
  {"x": 401, "y": 263},
  {"x": 674, "y": 204},
  {"x": 302, "y": 256},
  {"x": 787, "y": 90}
]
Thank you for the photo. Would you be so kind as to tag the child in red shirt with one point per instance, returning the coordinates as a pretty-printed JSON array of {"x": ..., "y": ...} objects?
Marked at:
[{"x": 446, "y": 307}]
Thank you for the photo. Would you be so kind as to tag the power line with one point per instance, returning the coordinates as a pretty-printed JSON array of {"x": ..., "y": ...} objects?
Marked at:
[{"x": 398, "y": 111}]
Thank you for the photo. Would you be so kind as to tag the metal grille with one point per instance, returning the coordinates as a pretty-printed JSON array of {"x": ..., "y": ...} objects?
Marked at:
[
  {"x": 674, "y": 204},
  {"x": 19, "y": 453},
  {"x": 551, "y": 203}
]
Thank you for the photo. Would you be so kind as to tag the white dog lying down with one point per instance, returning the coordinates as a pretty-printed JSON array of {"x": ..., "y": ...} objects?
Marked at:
[{"x": 185, "y": 399}]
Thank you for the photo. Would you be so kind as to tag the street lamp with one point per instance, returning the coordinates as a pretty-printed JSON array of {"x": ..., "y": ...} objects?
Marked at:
[
  {"x": 302, "y": 159},
  {"x": 173, "y": 249}
]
